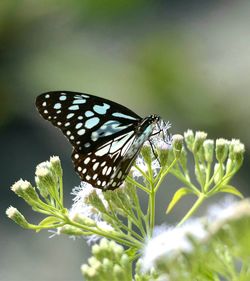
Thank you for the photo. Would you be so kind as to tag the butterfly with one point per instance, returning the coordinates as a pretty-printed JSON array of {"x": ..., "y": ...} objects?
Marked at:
[{"x": 106, "y": 136}]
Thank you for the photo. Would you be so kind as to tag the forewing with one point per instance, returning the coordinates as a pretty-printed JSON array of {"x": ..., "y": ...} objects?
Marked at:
[{"x": 86, "y": 120}]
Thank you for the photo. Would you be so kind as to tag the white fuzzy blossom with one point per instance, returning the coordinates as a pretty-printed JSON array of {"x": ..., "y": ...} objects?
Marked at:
[
  {"x": 172, "y": 241},
  {"x": 228, "y": 210},
  {"x": 80, "y": 206},
  {"x": 140, "y": 163},
  {"x": 160, "y": 140}
]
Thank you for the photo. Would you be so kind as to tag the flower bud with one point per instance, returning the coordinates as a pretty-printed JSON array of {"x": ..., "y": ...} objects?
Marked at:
[
  {"x": 146, "y": 153},
  {"x": 25, "y": 190},
  {"x": 221, "y": 149},
  {"x": 177, "y": 143},
  {"x": 83, "y": 219},
  {"x": 199, "y": 139},
  {"x": 44, "y": 180},
  {"x": 56, "y": 165},
  {"x": 218, "y": 172},
  {"x": 239, "y": 151},
  {"x": 70, "y": 230},
  {"x": 17, "y": 217},
  {"x": 94, "y": 200},
  {"x": 189, "y": 139},
  {"x": 232, "y": 144},
  {"x": 163, "y": 153},
  {"x": 118, "y": 272},
  {"x": 209, "y": 150}
]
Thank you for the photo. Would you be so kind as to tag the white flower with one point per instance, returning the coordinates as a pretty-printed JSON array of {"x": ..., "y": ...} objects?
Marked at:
[
  {"x": 172, "y": 241},
  {"x": 228, "y": 210},
  {"x": 80, "y": 206},
  {"x": 161, "y": 136}
]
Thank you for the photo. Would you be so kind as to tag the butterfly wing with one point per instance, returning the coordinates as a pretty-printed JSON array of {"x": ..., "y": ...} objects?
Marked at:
[
  {"x": 87, "y": 121},
  {"x": 101, "y": 132},
  {"x": 108, "y": 166},
  {"x": 102, "y": 167}
]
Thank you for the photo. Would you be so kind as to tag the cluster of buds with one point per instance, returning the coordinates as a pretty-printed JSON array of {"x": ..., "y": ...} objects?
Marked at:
[
  {"x": 46, "y": 197},
  {"x": 108, "y": 262}
]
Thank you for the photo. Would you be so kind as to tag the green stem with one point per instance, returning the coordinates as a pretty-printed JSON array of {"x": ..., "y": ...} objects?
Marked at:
[
  {"x": 152, "y": 211},
  {"x": 129, "y": 179},
  {"x": 118, "y": 237},
  {"x": 163, "y": 174},
  {"x": 194, "y": 208}
]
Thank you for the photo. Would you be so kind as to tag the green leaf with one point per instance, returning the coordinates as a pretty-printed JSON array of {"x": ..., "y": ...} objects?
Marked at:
[
  {"x": 231, "y": 189},
  {"x": 49, "y": 221},
  {"x": 177, "y": 196}
]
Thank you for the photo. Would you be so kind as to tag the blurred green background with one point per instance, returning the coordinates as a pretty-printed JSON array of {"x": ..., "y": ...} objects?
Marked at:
[{"x": 188, "y": 61}]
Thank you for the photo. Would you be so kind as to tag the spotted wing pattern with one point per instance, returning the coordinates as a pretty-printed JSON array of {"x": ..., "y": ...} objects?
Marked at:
[{"x": 105, "y": 135}]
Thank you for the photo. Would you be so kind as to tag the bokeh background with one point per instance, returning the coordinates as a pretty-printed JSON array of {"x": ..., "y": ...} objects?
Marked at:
[{"x": 188, "y": 61}]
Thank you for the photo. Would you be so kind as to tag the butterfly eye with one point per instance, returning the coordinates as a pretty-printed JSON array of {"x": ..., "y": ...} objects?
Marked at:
[{"x": 106, "y": 136}]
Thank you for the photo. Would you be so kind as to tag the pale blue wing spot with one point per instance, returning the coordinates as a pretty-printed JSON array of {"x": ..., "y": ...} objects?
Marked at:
[
  {"x": 84, "y": 96},
  {"x": 80, "y": 96},
  {"x": 62, "y": 98},
  {"x": 57, "y": 105},
  {"x": 70, "y": 115},
  {"x": 101, "y": 109},
  {"x": 79, "y": 101},
  {"x": 94, "y": 136},
  {"x": 121, "y": 115},
  {"x": 109, "y": 128},
  {"x": 58, "y": 111},
  {"x": 81, "y": 132},
  {"x": 79, "y": 117},
  {"x": 92, "y": 122},
  {"x": 74, "y": 107},
  {"x": 47, "y": 96},
  {"x": 89, "y": 113},
  {"x": 87, "y": 144}
]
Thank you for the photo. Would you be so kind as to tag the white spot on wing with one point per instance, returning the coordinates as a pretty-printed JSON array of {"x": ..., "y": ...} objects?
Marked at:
[
  {"x": 81, "y": 132},
  {"x": 78, "y": 125},
  {"x": 57, "y": 105},
  {"x": 86, "y": 161},
  {"x": 109, "y": 170},
  {"x": 95, "y": 166},
  {"x": 104, "y": 170},
  {"x": 70, "y": 115},
  {"x": 102, "y": 151}
]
